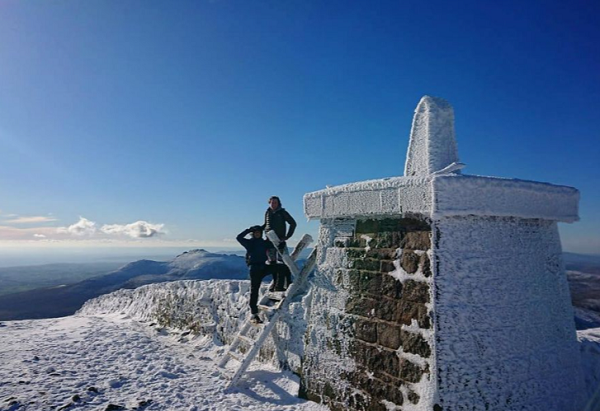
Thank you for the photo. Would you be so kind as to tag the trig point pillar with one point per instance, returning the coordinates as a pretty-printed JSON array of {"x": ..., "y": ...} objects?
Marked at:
[{"x": 439, "y": 290}]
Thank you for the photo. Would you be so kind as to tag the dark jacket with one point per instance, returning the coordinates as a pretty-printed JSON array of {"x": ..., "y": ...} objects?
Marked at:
[
  {"x": 256, "y": 247},
  {"x": 275, "y": 220}
]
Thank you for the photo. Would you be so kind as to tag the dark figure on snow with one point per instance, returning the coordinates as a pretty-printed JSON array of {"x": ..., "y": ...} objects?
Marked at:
[
  {"x": 276, "y": 218},
  {"x": 257, "y": 248}
]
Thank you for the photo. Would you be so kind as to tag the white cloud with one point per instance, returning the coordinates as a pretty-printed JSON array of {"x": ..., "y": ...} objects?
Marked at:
[
  {"x": 139, "y": 229},
  {"x": 80, "y": 228},
  {"x": 85, "y": 231},
  {"x": 25, "y": 242},
  {"x": 29, "y": 220}
]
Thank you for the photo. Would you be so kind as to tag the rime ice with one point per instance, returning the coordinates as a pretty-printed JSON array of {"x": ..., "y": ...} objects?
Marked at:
[
  {"x": 438, "y": 288},
  {"x": 432, "y": 144}
]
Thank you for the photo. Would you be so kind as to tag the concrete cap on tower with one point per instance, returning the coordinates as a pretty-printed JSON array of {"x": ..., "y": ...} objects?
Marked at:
[{"x": 433, "y": 186}]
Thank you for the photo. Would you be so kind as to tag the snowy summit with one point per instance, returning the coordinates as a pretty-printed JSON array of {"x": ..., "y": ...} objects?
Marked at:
[{"x": 435, "y": 290}]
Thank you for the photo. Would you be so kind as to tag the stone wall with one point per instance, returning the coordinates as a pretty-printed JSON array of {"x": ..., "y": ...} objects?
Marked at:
[
  {"x": 216, "y": 308},
  {"x": 369, "y": 335}
]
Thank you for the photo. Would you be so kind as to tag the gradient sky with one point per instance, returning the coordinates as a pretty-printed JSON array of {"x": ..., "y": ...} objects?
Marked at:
[{"x": 188, "y": 115}]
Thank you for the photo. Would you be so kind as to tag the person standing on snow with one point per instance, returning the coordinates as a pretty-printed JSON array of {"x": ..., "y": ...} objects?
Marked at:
[
  {"x": 257, "y": 248},
  {"x": 276, "y": 218}
]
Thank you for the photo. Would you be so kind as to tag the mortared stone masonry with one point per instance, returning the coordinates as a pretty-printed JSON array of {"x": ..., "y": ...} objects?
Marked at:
[{"x": 440, "y": 291}]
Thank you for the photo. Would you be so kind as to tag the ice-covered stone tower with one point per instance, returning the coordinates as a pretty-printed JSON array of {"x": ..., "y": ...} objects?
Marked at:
[{"x": 441, "y": 291}]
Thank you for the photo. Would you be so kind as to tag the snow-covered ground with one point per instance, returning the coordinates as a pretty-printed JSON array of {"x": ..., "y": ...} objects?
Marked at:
[
  {"x": 90, "y": 362},
  {"x": 115, "y": 353},
  {"x": 589, "y": 341}
]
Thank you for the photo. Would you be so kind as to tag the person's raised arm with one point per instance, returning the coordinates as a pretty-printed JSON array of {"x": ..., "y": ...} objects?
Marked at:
[{"x": 244, "y": 241}]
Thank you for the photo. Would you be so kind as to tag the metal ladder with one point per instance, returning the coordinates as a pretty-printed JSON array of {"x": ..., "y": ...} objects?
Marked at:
[{"x": 276, "y": 310}]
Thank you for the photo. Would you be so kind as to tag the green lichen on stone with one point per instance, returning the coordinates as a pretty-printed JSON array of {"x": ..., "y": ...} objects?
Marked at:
[
  {"x": 370, "y": 283},
  {"x": 367, "y": 226},
  {"x": 356, "y": 253},
  {"x": 367, "y": 264},
  {"x": 376, "y": 307}
]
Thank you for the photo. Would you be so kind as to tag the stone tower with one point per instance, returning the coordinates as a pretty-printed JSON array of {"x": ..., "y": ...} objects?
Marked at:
[{"x": 441, "y": 291}]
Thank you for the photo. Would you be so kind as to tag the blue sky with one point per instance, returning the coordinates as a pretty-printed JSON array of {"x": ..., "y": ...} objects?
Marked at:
[{"x": 189, "y": 115}]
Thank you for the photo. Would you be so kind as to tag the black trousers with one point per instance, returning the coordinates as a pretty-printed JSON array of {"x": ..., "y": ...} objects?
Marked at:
[
  {"x": 281, "y": 273},
  {"x": 257, "y": 273},
  {"x": 282, "y": 276}
]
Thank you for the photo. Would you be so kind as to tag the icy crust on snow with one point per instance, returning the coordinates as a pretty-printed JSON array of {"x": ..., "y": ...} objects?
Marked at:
[
  {"x": 432, "y": 144},
  {"x": 387, "y": 196},
  {"x": 113, "y": 363},
  {"x": 505, "y": 334},
  {"x": 215, "y": 308},
  {"x": 491, "y": 196}
]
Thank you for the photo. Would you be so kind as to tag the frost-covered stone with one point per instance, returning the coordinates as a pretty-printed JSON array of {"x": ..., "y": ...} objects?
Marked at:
[
  {"x": 432, "y": 184},
  {"x": 369, "y": 327},
  {"x": 488, "y": 196},
  {"x": 432, "y": 144},
  {"x": 441, "y": 291},
  {"x": 445, "y": 195},
  {"x": 389, "y": 196},
  {"x": 214, "y": 308}
]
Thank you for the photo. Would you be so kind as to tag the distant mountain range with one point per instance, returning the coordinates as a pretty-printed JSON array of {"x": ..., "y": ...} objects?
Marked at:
[
  {"x": 582, "y": 262},
  {"x": 24, "y": 278},
  {"x": 583, "y": 272},
  {"x": 64, "y": 300}
]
